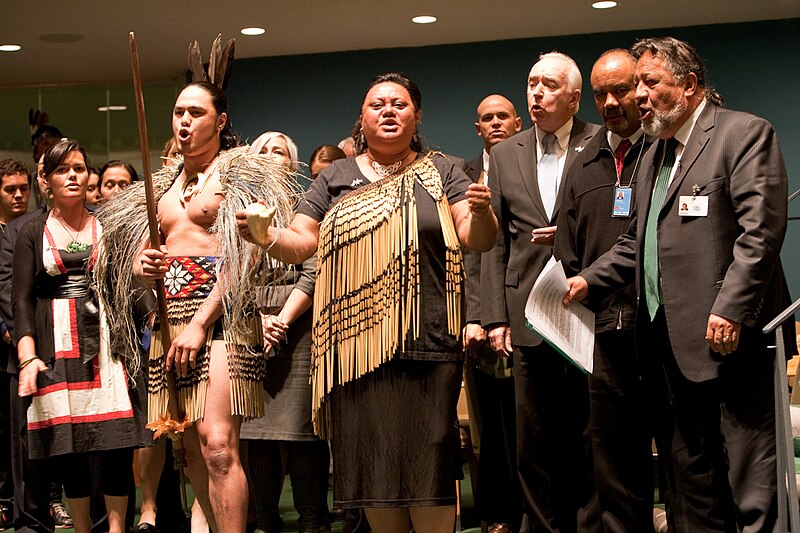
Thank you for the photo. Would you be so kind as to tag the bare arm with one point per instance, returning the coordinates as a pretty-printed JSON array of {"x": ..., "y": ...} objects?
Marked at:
[
  {"x": 26, "y": 351},
  {"x": 475, "y": 222},
  {"x": 291, "y": 245},
  {"x": 297, "y": 303},
  {"x": 275, "y": 326}
]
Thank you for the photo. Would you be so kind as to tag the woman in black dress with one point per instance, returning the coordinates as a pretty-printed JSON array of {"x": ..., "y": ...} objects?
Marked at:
[
  {"x": 386, "y": 364},
  {"x": 80, "y": 404}
]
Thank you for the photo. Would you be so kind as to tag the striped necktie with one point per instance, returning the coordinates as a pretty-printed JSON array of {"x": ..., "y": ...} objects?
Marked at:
[{"x": 652, "y": 284}]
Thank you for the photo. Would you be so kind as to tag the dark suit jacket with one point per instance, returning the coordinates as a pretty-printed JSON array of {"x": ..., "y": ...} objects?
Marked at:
[
  {"x": 586, "y": 227},
  {"x": 509, "y": 270},
  {"x": 726, "y": 263}
]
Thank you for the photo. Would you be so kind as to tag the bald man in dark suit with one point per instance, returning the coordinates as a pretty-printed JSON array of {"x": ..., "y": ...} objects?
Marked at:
[
  {"x": 553, "y": 448},
  {"x": 704, "y": 254},
  {"x": 497, "y": 497}
]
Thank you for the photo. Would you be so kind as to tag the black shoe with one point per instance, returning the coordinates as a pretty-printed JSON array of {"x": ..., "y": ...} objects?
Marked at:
[
  {"x": 61, "y": 517},
  {"x": 144, "y": 527}
]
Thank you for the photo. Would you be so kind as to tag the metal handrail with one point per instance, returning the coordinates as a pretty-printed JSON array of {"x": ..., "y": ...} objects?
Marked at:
[
  {"x": 781, "y": 318},
  {"x": 784, "y": 448}
]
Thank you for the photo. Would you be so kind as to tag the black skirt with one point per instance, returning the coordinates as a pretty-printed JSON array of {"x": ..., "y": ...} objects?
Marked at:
[{"x": 395, "y": 436}]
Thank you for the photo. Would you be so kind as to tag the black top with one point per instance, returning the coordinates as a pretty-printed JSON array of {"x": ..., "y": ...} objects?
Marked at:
[
  {"x": 586, "y": 228},
  {"x": 33, "y": 285},
  {"x": 10, "y": 234},
  {"x": 344, "y": 176}
]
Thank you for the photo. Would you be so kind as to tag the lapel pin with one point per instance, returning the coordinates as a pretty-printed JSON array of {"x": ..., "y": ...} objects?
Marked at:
[{"x": 579, "y": 148}]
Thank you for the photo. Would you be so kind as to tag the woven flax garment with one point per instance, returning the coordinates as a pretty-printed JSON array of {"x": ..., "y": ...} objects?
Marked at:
[{"x": 366, "y": 300}]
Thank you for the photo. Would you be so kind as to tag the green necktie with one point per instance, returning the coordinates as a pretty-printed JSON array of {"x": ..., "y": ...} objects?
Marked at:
[{"x": 652, "y": 286}]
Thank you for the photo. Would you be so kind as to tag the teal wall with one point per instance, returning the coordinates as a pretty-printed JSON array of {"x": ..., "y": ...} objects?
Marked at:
[{"x": 315, "y": 98}]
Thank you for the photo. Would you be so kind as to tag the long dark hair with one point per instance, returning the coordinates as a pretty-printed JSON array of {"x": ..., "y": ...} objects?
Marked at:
[
  {"x": 56, "y": 154},
  {"x": 416, "y": 100},
  {"x": 228, "y": 138}
]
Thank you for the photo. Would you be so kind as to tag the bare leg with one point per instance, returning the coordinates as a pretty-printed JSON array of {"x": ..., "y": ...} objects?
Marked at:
[
  {"x": 151, "y": 461},
  {"x": 116, "y": 507},
  {"x": 198, "y": 475},
  {"x": 219, "y": 442},
  {"x": 439, "y": 519},
  {"x": 391, "y": 520},
  {"x": 199, "y": 522},
  {"x": 79, "y": 509}
]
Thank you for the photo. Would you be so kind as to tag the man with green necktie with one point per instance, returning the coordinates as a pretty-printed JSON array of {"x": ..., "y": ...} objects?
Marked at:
[{"x": 704, "y": 251}]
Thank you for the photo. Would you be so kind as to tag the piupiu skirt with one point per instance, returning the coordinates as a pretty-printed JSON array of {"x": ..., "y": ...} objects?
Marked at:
[{"x": 395, "y": 436}]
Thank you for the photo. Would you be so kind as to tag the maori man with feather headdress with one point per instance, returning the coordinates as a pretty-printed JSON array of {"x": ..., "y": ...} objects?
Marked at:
[{"x": 209, "y": 273}]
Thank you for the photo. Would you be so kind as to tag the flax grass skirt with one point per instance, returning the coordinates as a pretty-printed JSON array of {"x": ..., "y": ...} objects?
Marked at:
[{"x": 395, "y": 436}]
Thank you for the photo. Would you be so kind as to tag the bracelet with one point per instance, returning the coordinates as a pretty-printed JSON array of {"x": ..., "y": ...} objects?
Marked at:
[{"x": 27, "y": 361}]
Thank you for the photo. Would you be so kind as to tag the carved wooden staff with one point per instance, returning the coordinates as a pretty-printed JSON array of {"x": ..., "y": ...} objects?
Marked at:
[{"x": 175, "y": 422}]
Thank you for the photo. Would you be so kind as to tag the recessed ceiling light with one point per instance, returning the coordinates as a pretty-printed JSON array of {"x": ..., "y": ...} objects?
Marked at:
[
  {"x": 9, "y": 47},
  {"x": 424, "y": 19},
  {"x": 106, "y": 108},
  {"x": 253, "y": 31},
  {"x": 604, "y": 4}
]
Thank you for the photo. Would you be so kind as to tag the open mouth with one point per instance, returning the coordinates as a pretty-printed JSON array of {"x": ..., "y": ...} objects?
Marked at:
[{"x": 183, "y": 135}]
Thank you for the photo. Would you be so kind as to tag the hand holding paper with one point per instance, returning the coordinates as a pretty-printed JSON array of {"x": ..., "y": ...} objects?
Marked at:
[{"x": 570, "y": 330}]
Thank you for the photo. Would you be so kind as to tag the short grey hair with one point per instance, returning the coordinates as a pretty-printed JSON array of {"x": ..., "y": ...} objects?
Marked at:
[
  {"x": 574, "y": 78},
  {"x": 262, "y": 140}
]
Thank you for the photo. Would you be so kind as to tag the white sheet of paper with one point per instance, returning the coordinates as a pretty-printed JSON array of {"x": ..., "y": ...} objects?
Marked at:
[{"x": 570, "y": 330}]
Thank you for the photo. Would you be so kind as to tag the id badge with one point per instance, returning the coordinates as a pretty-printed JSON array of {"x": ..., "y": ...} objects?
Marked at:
[
  {"x": 622, "y": 202},
  {"x": 693, "y": 206}
]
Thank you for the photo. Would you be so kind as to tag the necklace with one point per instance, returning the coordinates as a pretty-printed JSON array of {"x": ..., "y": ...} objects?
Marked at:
[
  {"x": 386, "y": 170},
  {"x": 74, "y": 246},
  {"x": 195, "y": 185}
]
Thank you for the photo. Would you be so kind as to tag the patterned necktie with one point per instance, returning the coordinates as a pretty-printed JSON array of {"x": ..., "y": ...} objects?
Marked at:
[
  {"x": 652, "y": 285},
  {"x": 547, "y": 174},
  {"x": 619, "y": 155}
]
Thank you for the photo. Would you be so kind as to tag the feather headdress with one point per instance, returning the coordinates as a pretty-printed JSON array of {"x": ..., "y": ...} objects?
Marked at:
[{"x": 219, "y": 63}]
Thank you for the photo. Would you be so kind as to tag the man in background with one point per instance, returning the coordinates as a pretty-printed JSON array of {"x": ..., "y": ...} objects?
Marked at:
[
  {"x": 15, "y": 189},
  {"x": 596, "y": 208},
  {"x": 498, "y": 499}
]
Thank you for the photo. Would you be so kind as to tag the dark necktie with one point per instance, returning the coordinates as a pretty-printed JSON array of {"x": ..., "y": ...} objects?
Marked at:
[
  {"x": 619, "y": 155},
  {"x": 652, "y": 285}
]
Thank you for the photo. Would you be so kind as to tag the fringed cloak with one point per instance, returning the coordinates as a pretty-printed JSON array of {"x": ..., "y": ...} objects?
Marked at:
[{"x": 366, "y": 300}]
